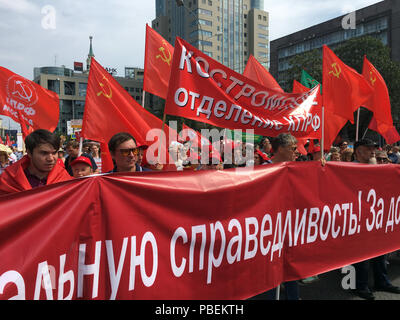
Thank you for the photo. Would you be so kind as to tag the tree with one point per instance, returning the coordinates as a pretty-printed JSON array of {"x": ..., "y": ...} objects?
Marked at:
[{"x": 352, "y": 53}]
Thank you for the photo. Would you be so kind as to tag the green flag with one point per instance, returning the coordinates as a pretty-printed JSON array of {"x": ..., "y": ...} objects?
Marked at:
[
  {"x": 230, "y": 135},
  {"x": 307, "y": 80}
]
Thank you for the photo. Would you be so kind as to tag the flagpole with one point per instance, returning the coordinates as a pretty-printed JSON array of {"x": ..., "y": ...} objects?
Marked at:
[
  {"x": 323, "y": 132},
  {"x": 80, "y": 145},
  {"x": 358, "y": 123},
  {"x": 143, "y": 98},
  {"x": 364, "y": 134}
]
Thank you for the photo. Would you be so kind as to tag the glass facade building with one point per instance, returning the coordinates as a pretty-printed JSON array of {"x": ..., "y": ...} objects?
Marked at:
[{"x": 226, "y": 30}]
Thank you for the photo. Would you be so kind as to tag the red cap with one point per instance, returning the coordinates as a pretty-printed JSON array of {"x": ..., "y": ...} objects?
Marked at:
[
  {"x": 142, "y": 146},
  {"x": 82, "y": 159},
  {"x": 316, "y": 149}
]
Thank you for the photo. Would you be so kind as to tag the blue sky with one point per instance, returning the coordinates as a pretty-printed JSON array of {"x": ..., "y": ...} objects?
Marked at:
[{"x": 30, "y": 37}]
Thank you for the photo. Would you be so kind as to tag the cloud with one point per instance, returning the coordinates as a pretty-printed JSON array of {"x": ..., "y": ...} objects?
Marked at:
[{"x": 18, "y": 6}]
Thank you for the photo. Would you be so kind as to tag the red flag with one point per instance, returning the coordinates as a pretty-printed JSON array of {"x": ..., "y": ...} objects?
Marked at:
[
  {"x": 8, "y": 141},
  {"x": 256, "y": 72},
  {"x": 388, "y": 132},
  {"x": 1, "y": 140},
  {"x": 27, "y": 103},
  {"x": 109, "y": 109},
  {"x": 332, "y": 122},
  {"x": 204, "y": 90},
  {"x": 344, "y": 89},
  {"x": 157, "y": 64},
  {"x": 379, "y": 104}
]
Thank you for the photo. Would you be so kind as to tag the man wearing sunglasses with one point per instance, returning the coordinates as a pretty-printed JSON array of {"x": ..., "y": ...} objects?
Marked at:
[{"x": 125, "y": 152}]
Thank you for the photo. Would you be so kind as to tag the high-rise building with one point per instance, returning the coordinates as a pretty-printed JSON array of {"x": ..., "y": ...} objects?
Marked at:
[{"x": 226, "y": 30}]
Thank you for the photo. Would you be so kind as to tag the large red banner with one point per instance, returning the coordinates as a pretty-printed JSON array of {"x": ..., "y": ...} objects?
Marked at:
[
  {"x": 228, "y": 234},
  {"x": 204, "y": 90}
]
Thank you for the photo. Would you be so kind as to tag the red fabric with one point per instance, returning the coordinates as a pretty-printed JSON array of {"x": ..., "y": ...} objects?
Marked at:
[
  {"x": 332, "y": 122},
  {"x": 389, "y": 132},
  {"x": 109, "y": 109},
  {"x": 260, "y": 228},
  {"x": 13, "y": 179},
  {"x": 344, "y": 89},
  {"x": 379, "y": 104},
  {"x": 8, "y": 141},
  {"x": 157, "y": 64},
  {"x": 28, "y": 103},
  {"x": 258, "y": 73},
  {"x": 204, "y": 90}
]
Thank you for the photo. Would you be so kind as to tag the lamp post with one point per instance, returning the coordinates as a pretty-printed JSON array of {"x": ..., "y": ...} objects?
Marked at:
[{"x": 180, "y": 3}]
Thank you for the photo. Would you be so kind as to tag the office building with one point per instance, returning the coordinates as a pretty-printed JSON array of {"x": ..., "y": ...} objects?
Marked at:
[
  {"x": 381, "y": 20},
  {"x": 71, "y": 87},
  {"x": 226, "y": 30}
]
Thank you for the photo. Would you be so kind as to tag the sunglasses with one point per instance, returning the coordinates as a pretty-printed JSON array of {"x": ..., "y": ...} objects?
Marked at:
[
  {"x": 127, "y": 152},
  {"x": 382, "y": 159}
]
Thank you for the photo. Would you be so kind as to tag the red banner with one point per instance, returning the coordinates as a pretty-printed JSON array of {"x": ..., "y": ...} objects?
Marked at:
[
  {"x": 228, "y": 234},
  {"x": 204, "y": 90}
]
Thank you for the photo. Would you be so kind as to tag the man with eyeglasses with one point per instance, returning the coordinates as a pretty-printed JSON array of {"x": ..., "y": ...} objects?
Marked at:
[
  {"x": 365, "y": 151},
  {"x": 382, "y": 157},
  {"x": 124, "y": 152}
]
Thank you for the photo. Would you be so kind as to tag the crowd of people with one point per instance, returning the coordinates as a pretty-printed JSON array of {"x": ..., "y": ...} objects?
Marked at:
[{"x": 47, "y": 162}]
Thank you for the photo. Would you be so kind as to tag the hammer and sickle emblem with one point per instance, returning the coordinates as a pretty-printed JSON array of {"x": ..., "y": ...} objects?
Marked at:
[
  {"x": 102, "y": 85},
  {"x": 336, "y": 70},
  {"x": 22, "y": 91},
  {"x": 372, "y": 78},
  {"x": 163, "y": 56}
]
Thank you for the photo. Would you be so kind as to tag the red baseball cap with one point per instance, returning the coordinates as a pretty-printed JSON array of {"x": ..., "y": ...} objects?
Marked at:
[
  {"x": 142, "y": 146},
  {"x": 82, "y": 159}
]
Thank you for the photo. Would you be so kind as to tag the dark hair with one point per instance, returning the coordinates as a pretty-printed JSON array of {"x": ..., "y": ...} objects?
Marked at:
[
  {"x": 119, "y": 138},
  {"x": 39, "y": 137},
  {"x": 73, "y": 143},
  {"x": 283, "y": 140}
]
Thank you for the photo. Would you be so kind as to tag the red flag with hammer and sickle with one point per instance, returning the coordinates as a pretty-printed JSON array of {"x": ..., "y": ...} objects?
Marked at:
[
  {"x": 379, "y": 104},
  {"x": 157, "y": 64},
  {"x": 345, "y": 90},
  {"x": 27, "y": 103},
  {"x": 110, "y": 109}
]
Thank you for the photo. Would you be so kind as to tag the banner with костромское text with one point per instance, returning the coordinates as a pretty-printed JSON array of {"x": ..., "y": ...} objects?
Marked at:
[
  {"x": 205, "y": 90},
  {"x": 228, "y": 234}
]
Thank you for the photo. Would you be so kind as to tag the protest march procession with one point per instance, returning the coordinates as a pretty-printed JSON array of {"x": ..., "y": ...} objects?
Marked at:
[{"x": 267, "y": 196}]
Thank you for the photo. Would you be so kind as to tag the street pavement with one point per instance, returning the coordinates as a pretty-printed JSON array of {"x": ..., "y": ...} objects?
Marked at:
[{"x": 329, "y": 285}]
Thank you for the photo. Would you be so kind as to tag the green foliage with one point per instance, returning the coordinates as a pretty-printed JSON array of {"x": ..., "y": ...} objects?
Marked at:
[{"x": 352, "y": 53}]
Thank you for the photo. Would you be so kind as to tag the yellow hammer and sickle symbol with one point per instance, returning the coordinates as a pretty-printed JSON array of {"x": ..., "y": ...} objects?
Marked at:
[
  {"x": 107, "y": 95},
  {"x": 164, "y": 56},
  {"x": 336, "y": 70},
  {"x": 372, "y": 78}
]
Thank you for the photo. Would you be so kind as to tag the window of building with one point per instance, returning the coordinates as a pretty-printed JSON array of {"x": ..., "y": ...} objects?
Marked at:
[
  {"x": 204, "y": 12},
  {"x": 82, "y": 89},
  {"x": 69, "y": 88},
  {"x": 54, "y": 85},
  {"x": 262, "y": 45},
  {"x": 263, "y": 36},
  {"x": 263, "y": 27}
]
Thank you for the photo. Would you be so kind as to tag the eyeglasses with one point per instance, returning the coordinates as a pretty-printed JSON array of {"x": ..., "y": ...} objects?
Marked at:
[
  {"x": 382, "y": 159},
  {"x": 127, "y": 152}
]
